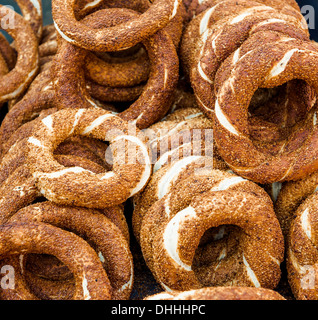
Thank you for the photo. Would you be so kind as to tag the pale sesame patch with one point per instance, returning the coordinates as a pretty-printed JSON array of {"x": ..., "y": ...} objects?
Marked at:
[
  {"x": 48, "y": 122},
  {"x": 58, "y": 174},
  {"x": 202, "y": 74},
  {"x": 148, "y": 168},
  {"x": 185, "y": 295},
  {"x": 35, "y": 142},
  {"x": 202, "y": 104},
  {"x": 97, "y": 122},
  {"x": 175, "y": 9},
  {"x": 93, "y": 103},
  {"x": 195, "y": 115},
  {"x": 251, "y": 273},
  {"x": 65, "y": 37},
  {"x": 299, "y": 268},
  {"x": 205, "y": 20},
  {"x": 160, "y": 296},
  {"x": 213, "y": 43},
  {"x": 223, "y": 119},
  {"x": 167, "y": 206},
  {"x": 129, "y": 283},
  {"x": 281, "y": 65},
  {"x": 101, "y": 257},
  {"x": 20, "y": 190},
  {"x": 287, "y": 173},
  {"x": 48, "y": 87},
  {"x": 180, "y": 124},
  {"x": 165, "y": 78},
  {"x": 220, "y": 234},
  {"x": 164, "y": 158},
  {"x": 92, "y": 4},
  {"x": 134, "y": 122},
  {"x": 108, "y": 175},
  {"x": 165, "y": 287},
  {"x": 173, "y": 173},
  {"x": 76, "y": 120},
  {"x": 223, "y": 254},
  {"x": 86, "y": 293},
  {"x": 236, "y": 56},
  {"x": 171, "y": 235},
  {"x": 269, "y": 21},
  {"x": 305, "y": 223},
  {"x": 37, "y": 6},
  {"x": 274, "y": 259},
  {"x": 249, "y": 12}
]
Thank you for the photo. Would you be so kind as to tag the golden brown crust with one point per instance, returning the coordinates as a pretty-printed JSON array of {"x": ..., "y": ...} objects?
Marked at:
[
  {"x": 154, "y": 100},
  {"x": 19, "y": 78},
  {"x": 301, "y": 252},
  {"x": 264, "y": 166},
  {"x": 107, "y": 240},
  {"x": 112, "y": 39},
  {"x": 219, "y": 293},
  {"x": 91, "y": 281},
  {"x": 197, "y": 204},
  {"x": 129, "y": 176}
]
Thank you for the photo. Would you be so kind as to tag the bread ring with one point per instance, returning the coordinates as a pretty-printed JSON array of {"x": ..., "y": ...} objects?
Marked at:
[
  {"x": 290, "y": 197},
  {"x": 219, "y": 293},
  {"x": 301, "y": 261},
  {"x": 18, "y": 187},
  {"x": 188, "y": 206},
  {"x": 90, "y": 277},
  {"x": 218, "y": 13},
  {"x": 100, "y": 232},
  {"x": 163, "y": 180},
  {"x": 32, "y": 12},
  {"x": 226, "y": 39},
  {"x": 18, "y": 79},
  {"x": 134, "y": 67},
  {"x": 88, "y": 190},
  {"x": 164, "y": 75},
  {"x": 278, "y": 63},
  {"x": 115, "y": 38}
]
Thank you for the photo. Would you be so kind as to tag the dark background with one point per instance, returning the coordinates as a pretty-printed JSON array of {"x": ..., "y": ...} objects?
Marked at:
[{"x": 48, "y": 18}]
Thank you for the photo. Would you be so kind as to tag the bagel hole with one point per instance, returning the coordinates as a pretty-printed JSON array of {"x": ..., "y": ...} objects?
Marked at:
[
  {"x": 274, "y": 113},
  {"x": 48, "y": 278},
  {"x": 123, "y": 55},
  {"x": 92, "y": 151},
  {"x": 218, "y": 257}
]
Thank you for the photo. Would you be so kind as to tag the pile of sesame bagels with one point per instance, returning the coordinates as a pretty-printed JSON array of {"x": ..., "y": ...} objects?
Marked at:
[{"x": 181, "y": 132}]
